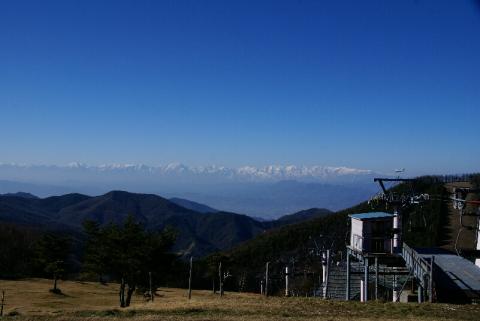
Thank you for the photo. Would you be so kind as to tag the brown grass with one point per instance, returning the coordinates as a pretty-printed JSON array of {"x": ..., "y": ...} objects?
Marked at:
[{"x": 92, "y": 301}]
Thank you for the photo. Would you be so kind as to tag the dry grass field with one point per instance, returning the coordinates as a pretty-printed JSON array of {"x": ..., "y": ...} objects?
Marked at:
[{"x": 30, "y": 300}]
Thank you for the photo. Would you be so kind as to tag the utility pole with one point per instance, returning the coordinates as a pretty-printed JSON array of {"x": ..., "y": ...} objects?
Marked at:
[
  {"x": 365, "y": 284},
  {"x": 150, "y": 284},
  {"x": 220, "y": 278},
  {"x": 325, "y": 272},
  {"x": 287, "y": 291},
  {"x": 430, "y": 280},
  {"x": 190, "y": 279},
  {"x": 266, "y": 278},
  {"x": 397, "y": 227},
  {"x": 347, "y": 290},
  {"x": 376, "y": 277},
  {"x": 3, "y": 302},
  {"x": 328, "y": 273}
]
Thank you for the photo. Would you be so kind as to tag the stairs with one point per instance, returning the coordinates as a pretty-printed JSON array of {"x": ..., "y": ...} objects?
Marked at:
[{"x": 337, "y": 281}]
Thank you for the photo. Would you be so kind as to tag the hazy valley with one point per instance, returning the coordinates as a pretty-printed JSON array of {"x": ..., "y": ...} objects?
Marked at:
[{"x": 268, "y": 192}]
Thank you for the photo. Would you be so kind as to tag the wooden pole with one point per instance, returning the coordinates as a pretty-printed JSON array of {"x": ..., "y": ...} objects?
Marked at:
[
  {"x": 150, "y": 284},
  {"x": 220, "y": 278},
  {"x": 365, "y": 284},
  {"x": 3, "y": 302},
  {"x": 266, "y": 278},
  {"x": 324, "y": 275},
  {"x": 376, "y": 277},
  {"x": 430, "y": 281},
  {"x": 362, "y": 291},
  {"x": 313, "y": 286},
  {"x": 347, "y": 290},
  {"x": 122, "y": 293},
  {"x": 327, "y": 274},
  {"x": 190, "y": 279},
  {"x": 287, "y": 291}
]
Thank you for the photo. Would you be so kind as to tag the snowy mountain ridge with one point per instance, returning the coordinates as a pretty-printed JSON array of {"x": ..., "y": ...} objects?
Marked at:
[{"x": 244, "y": 173}]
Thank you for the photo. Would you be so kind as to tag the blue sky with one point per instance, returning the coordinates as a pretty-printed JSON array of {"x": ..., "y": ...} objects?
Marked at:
[{"x": 367, "y": 84}]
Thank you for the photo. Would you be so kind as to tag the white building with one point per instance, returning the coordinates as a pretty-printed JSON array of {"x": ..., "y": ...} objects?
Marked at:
[{"x": 371, "y": 232}]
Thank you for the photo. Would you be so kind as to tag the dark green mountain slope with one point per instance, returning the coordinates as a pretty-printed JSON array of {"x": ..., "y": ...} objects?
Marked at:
[
  {"x": 115, "y": 206},
  {"x": 20, "y": 194},
  {"x": 198, "y": 233},
  {"x": 36, "y": 211}
]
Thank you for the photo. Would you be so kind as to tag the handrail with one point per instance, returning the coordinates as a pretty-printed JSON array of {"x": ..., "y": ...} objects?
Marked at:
[{"x": 419, "y": 266}]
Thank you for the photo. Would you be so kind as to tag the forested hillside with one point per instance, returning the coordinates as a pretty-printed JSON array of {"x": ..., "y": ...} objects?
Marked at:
[
  {"x": 424, "y": 225},
  {"x": 295, "y": 245},
  {"x": 24, "y": 219}
]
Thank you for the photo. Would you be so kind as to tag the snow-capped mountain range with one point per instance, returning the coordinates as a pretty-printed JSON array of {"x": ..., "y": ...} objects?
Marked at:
[
  {"x": 268, "y": 192},
  {"x": 269, "y": 173}
]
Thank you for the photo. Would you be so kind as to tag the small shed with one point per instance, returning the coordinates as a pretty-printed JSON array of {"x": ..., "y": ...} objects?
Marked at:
[{"x": 371, "y": 232}]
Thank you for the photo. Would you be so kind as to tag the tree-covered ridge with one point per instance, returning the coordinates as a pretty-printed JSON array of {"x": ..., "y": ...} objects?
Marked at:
[{"x": 199, "y": 234}]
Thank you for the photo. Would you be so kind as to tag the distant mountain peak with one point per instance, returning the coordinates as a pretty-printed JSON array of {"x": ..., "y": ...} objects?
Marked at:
[{"x": 21, "y": 194}]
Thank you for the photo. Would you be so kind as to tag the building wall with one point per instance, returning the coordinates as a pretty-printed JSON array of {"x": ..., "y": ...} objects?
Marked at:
[
  {"x": 363, "y": 233},
  {"x": 356, "y": 234}
]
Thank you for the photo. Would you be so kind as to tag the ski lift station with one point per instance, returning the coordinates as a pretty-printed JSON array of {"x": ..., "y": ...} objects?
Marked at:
[
  {"x": 369, "y": 232},
  {"x": 375, "y": 262},
  {"x": 380, "y": 264}
]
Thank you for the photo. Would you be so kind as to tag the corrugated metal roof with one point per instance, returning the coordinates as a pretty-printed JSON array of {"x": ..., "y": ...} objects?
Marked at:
[
  {"x": 370, "y": 216},
  {"x": 458, "y": 272}
]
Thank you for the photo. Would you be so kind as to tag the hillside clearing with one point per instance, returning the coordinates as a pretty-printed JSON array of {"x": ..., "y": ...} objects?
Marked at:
[{"x": 31, "y": 300}]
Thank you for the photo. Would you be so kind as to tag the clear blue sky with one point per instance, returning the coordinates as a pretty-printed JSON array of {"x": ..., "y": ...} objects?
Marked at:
[{"x": 368, "y": 84}]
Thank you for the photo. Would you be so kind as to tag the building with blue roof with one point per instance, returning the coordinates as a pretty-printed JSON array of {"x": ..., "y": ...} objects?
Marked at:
[
  {"x": 371, "y": 215},
  {"x": 371, "y": 232}
]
